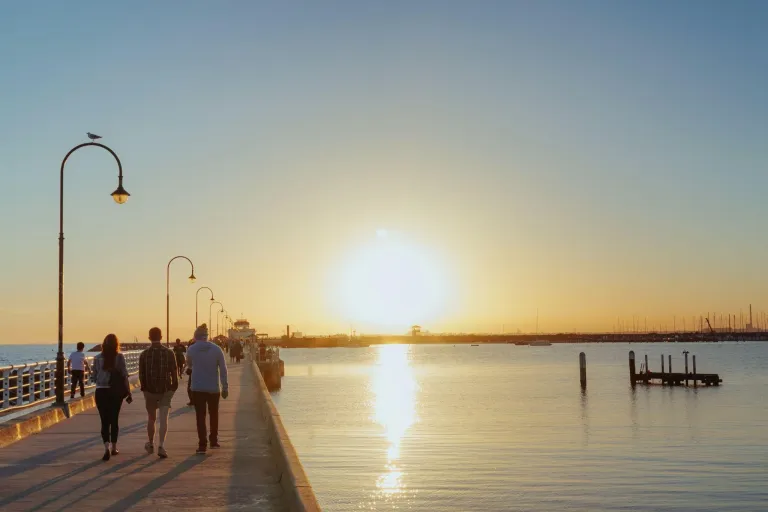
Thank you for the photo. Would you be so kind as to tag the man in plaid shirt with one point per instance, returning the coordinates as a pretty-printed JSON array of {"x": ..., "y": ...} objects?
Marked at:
[{"x": 159, "y": 380}]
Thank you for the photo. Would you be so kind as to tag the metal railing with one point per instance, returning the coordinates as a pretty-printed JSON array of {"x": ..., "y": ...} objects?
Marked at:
[{"x": 28, "y": 384}]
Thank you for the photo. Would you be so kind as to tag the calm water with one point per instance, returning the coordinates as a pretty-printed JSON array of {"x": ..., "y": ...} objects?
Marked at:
[
  {"x": 500, "y": 427},
  {"x": 17, "y": 354}
]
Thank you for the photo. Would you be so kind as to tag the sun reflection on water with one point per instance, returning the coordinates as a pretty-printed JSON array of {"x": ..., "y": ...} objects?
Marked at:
[{"x": 394, "y": 408}]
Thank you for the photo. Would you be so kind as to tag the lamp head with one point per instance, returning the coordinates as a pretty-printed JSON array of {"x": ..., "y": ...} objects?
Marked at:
[
  {"x": 192, "y": 278},
  {"x": 120, "y": 195}
]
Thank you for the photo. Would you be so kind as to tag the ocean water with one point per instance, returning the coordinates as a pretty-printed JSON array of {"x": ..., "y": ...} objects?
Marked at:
[
  {"x": 500, "y": 427},
  {"x": 19, "y": 354}
]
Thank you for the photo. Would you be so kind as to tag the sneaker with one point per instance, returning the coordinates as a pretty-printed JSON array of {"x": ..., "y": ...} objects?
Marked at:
[
  {"x": 215, "y": 444},
  {"x": 106, "y": 455},
  {"x": 162, "y": 453},
  {"x": 200, "y": 450},
  {"x": 149, "y": 447}
]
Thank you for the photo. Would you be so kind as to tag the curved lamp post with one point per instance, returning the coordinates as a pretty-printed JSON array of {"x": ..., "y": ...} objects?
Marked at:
[
  {"x": 217, "y": 314},
  {"x": 168, "y": 294},
  {"x": 196, "y": 300},
  {"x": 224, "y": 323},
  {"x": 228, "y": 324},
  {"x": 120, "y": 196},
  {"x": 218, "y": 332}
]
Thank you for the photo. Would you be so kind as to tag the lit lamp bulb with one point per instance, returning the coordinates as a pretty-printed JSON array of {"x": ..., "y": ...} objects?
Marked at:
[{"x": 120, "y": 195}]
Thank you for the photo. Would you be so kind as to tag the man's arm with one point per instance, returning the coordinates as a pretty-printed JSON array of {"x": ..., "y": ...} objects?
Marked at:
[
  {"x": 69, "y": 365},
  {"x": 174, "y": 370},
  {"x": 142, "y": 371},
  {"x": 223, "y": 372}
]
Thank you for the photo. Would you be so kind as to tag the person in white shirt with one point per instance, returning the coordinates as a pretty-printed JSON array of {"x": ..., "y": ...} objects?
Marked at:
[{"x": 77, "y": 365}]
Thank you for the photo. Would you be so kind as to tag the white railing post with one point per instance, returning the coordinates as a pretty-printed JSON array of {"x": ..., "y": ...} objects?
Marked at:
[
  {"x": 4, "y": 378},
  {"x": 32, "y": 381}
]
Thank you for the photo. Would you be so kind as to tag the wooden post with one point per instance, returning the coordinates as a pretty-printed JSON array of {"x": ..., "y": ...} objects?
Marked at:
[
  {"x": 583, "y": 370},
  {"x": 632, "y": 375},
  {"x": 695, "y": 382},
  {"x": 686, "y": 367},
  {"x": 662, "y": 367},
  {"x": 647, "y": 371}
]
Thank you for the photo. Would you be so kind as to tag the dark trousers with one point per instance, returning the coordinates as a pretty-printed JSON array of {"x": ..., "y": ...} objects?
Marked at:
[
  {"x": 202, "y": 400},
  {"x": 109, "y": 412},
  {"x": 77, "y": 377}
]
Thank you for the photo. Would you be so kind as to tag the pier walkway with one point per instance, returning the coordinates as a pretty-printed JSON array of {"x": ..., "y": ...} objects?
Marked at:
[{"x": 61, "y": 468}]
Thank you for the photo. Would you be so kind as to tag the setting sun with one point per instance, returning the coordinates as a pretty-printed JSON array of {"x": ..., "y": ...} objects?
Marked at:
[{"x": 390, "y": 284}]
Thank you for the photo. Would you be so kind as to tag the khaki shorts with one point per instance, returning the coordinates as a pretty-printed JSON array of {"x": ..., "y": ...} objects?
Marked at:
[{"x": 155, "y": 400}]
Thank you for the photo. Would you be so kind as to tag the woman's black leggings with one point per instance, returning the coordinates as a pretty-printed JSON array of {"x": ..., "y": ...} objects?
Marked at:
[{"x": 109, "y": 412}]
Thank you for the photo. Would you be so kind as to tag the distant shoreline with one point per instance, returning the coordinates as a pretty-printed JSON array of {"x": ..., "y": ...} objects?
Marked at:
[{"x": 513, "y": 339}]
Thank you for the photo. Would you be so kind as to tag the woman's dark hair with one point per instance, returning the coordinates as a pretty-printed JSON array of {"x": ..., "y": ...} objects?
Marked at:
[{"x": 109, "y": 350}]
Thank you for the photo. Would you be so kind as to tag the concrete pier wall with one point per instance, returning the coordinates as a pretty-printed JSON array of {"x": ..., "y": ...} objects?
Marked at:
[{"x": 299, "y": 495}]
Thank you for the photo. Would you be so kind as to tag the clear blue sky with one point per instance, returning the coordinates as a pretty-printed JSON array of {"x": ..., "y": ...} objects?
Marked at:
[{"x": 594, "y": 159}]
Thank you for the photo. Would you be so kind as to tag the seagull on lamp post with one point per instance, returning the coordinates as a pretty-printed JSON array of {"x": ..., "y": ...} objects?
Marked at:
[{"x": 93, "y": 136}]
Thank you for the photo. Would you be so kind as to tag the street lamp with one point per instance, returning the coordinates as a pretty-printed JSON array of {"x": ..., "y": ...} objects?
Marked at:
[
  {"x": 228, "y": 324},
  {"x": 120, "y": 195},
  {"x": 196, "y": 300},
  {"x": 217, "y": 320},
  {"x": 168, "y": 294},
  {"x": 224, "y": 323},
  {"x": 210, "y": 324}
]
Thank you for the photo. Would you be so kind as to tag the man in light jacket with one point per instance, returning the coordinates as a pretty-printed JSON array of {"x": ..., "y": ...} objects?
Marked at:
[{"x": 209, "y": 369}]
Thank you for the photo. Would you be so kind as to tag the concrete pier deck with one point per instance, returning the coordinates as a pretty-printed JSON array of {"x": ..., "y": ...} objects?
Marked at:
[{"x": 61, "y": 468}]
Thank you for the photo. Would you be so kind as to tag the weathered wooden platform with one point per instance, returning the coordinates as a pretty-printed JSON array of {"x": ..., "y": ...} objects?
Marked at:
[
  {"x": 678, "y": 379},
  {"x": 61, "y": 468}
]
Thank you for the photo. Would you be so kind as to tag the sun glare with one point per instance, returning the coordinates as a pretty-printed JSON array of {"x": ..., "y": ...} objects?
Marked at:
[{"x": 390, "y": 285}]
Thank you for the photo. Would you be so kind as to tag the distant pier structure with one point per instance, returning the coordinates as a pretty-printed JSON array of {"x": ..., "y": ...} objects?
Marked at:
[{"x": 668, "y": 377}]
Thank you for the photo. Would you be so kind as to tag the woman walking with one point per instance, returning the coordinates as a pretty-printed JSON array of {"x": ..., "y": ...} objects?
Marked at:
[{"x": 111, "y": 376}]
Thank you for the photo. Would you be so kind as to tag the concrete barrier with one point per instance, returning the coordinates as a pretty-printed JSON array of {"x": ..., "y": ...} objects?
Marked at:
[
  {"x": 298, "y": 492},
  {"x": 38, "y": 420}
]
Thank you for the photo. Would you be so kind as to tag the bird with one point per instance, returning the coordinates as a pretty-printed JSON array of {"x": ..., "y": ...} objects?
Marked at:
[{"x": 93, "y": 136}]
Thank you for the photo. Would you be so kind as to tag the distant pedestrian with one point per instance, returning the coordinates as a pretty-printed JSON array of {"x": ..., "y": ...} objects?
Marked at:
[
  {"x": 159, "y": 380},
  {"x": 180, "y": 350},
  {"x": 238, "y": 351},
  {"x": 111, "y": 376},
  {"x": 189, "y": 380},
  {"x": 76, "y": 366},
  {"x": 206, "y": 360}
]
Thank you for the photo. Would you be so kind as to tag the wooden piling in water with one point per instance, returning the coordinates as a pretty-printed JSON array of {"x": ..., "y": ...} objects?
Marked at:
[
  {"x": 695, "y": 381},
  {"x": 583, "y": 370},
  {"x": 647, "y": 370},
  {"x": 632, "y": 375},
  {"x": 686, "y": 366}
]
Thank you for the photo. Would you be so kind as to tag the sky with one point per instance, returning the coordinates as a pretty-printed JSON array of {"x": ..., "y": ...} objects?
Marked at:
[{"x": 366, "y": 166}]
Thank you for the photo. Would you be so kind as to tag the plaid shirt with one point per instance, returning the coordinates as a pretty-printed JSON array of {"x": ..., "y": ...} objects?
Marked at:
[{"x": 157, "y": 370}]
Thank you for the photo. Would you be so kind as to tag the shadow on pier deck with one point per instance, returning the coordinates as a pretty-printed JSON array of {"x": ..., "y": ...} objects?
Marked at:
[{"x": 61, "y": 468}]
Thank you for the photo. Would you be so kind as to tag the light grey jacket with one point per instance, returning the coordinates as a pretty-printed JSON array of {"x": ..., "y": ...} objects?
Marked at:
[
  {"x": 101, "y": 376},
  {"x": 206, "y": 360}
]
